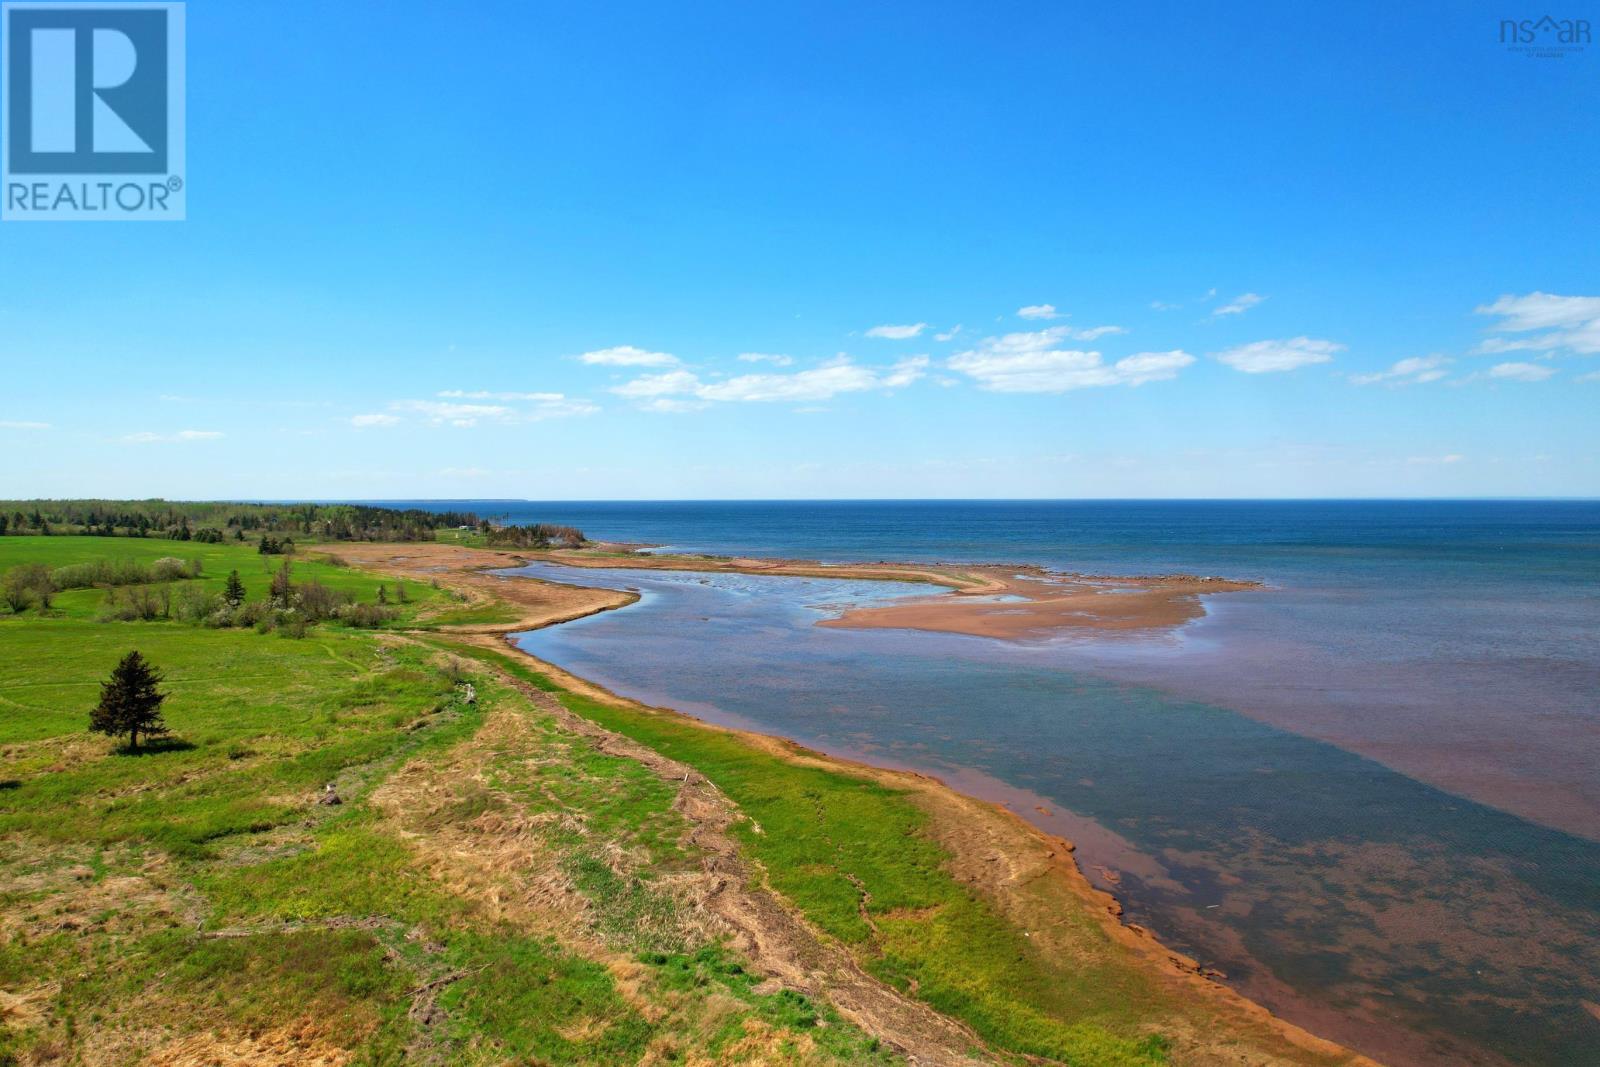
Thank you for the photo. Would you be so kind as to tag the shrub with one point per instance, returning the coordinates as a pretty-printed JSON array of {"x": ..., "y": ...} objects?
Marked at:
[
  {"x": 136, "y": 603},
  {"x": 101, "y": 572},
  {"x": 194, "y": 604},
  {"x": 28, "y": 584},
  {"x": 318, "y": 602},
  {"x": 170, "y": 569},
  {"x": 365, "y": 616}
]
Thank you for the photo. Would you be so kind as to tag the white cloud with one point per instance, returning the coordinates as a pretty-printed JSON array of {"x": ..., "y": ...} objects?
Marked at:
[
  {"x": 1267, "y": 357},
  {"x": 628, "y": 356},
  {"x": 1161, "y": 305},
  {"x": 650, "y": 385},
  {"x": 539, "y": 406},
  {"x": 1571, "y": 323},
  {"x": 440, "y": 412},
  {"x": 1095, "y": 332},
  {"x": 9, "y": 424},
  {"x": 365, "y": 421},
  {"x": 484, "y": 394},
  {"x": 673, "y": 405},
  {"x": 1033, "y": 363},
  {"x": 818, "y": 383},
  {"x": 1239, "y": 305},
  {"x": 1592, "y": 376},
  {"x": 763, "y": 357},
  {"x": 904, "y": 372},
  {"x": 681, "y": 390},
  {"x": 948, "y": 335},
  {"x": 1453, "y": 457},
  {"x": 146, "y": 437},
  {"x": 898, "y": 333},
  {"x": 1521, "y": 372},
  {"x": 1152, "y": 366},
  {"x": 1417, "y": 370},
  {"x": 1038, "y": 311}
]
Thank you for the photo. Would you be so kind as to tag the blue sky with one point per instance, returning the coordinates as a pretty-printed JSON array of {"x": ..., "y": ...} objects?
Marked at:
[{"x": 518, "y": 250}]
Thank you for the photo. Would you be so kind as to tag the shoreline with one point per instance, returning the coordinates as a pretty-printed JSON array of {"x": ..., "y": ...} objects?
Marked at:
[
  {"x": 1042, "y": 874},
  {"x": 970, "y": 827},
  {"x": 1011, "y": 602}
]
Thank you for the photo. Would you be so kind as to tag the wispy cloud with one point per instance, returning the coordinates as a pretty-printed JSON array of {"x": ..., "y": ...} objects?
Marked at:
[
  {"x": 950, "y": 334},
  {"x": 1162, "y": 305},
  {"x": 532, "y": 407},
  {"x": 628, "y": 356},
  {"x": 147, "y": 437},
  {"x": 1521, "y": 372},
  {"x": 363, "y": 422},
  {"x": 12, "y": 424},
  {"x": 1034, "y": 362},
  {"x": 484, "y": 394},
  {"x": 1269, "y": 357},
  {"x": 1448, "y": 458},
  {"x": 898, "y": 333},
  {"x": 1095, "y": 332},
  {"x": 1239, "y": 304},
  {"x": 1038, "y": 311},
  {"x": 439, "y": 412},
  {"x": 681, "y": 390},
  {"x": 764, "y": 357},
  {"x": 1418, "y": 370},
  {"x": 1571, "y": 323}
]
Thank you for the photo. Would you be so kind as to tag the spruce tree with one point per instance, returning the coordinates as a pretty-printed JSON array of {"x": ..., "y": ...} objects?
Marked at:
[
  {"x": 383, "y": 595},
  {"x": 130, "y": 703},
  {"x": 233, "y": 594}
]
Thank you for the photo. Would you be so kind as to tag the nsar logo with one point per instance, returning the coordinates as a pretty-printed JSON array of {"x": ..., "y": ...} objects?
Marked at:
[
  {"x": 1545, "y": 38},
  {"x": 94, "y": 111}
]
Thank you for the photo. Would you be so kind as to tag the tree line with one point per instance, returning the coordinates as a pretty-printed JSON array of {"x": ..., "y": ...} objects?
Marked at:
[{"x": 214, "y": 521}]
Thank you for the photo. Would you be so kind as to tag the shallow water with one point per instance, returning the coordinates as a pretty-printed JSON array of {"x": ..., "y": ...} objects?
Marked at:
[{"x": 1374, "y": 908}]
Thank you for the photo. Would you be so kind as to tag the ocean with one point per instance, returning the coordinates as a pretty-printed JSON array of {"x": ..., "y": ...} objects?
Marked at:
[{"x": 1367, "y": 792}]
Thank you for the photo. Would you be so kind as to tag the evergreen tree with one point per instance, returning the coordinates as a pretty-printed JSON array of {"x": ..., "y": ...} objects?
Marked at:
[
  {"x": 130, "y": 703},
  {"x": 383, "y": 595},
  {"x": 233, "y": 595}
]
